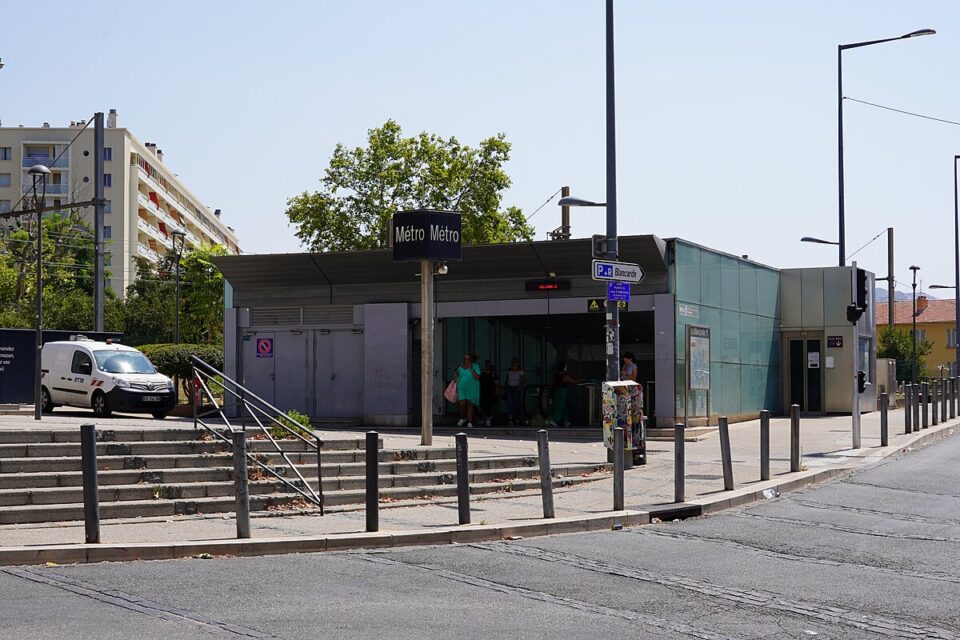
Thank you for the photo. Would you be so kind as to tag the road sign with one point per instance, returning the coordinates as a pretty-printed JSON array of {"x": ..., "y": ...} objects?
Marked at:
[
  {"x": 599, "y": 305},
  {"x": 264, "y": 347},
  {"x": 619, "y": 291},
  {"x": 619, "y": 271}
]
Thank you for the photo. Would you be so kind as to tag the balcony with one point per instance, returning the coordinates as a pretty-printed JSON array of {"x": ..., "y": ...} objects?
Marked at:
[
  {"x": 146, "y": 252},
  {"x": 62, "y": 163},
  {"x": 52, "y": 189}
]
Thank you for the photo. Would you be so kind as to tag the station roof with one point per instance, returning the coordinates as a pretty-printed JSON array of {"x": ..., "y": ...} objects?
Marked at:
[{"x": 531, "y": 260}]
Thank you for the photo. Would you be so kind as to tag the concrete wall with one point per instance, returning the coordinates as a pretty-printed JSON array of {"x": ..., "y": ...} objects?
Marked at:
[{"x": 386, "y": 364}]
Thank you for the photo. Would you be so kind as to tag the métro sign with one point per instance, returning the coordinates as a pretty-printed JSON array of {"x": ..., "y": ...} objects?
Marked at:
[
  {"x": 618, "y": 271},
  {"x": 427, "y": 235}
]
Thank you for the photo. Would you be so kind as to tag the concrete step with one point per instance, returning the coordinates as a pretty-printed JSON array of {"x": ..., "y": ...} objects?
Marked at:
[
  {"x": 693, "y": 434},
  {"x": 48, "y": 436}
]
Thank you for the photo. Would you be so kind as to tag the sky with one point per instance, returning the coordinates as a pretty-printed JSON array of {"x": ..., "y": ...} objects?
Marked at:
[{"x": 726, "y": 110}]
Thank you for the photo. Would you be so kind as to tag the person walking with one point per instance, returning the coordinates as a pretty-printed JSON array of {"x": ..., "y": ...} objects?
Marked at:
[
  {"x": 562, "y": 381},
  {"x": 516, "y": 381},
  {"x": 489, "y": 386},
  {"x": 629, "y": 369},
  {"x": 467, "y": 377}
]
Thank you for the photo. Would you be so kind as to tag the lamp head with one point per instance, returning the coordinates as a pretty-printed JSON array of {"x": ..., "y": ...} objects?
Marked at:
[
  {"x": 571, "y": 201},
  {"x": 918, "y": 33},
  {"x": 39, "y": 169},
  {"x": 816, "y": 240},
  {"x": 914, "y": 268}
]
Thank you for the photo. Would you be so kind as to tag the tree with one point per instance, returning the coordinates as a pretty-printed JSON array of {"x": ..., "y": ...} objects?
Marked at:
[
  {"x": 363, "y": 187},
  {"x": 897, "y": 343},
  {"x": 201, "y": 318}
]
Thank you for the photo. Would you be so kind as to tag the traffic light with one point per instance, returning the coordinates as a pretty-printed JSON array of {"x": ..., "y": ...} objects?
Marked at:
[
  {"x": 853, "y": 313},
  {"x": 600, "y": 246},
  {"x": 855, "y": 310},
  {"x": 861, "y": 381}
]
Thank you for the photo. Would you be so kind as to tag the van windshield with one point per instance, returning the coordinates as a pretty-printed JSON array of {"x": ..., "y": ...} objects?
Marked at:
[{"x": 123, "y": 362}]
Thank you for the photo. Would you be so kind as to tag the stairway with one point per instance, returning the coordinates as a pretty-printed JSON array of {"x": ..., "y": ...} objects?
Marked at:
[{"x": 180, "y": 471}]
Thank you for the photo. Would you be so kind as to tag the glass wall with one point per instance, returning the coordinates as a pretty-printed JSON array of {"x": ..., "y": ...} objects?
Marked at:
[{"x": 740, "y": 302}]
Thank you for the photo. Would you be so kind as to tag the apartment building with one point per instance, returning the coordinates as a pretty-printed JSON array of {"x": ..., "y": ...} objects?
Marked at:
[
  {"x": 145, "y": 201},
  {"x": 936, "y": 322}
]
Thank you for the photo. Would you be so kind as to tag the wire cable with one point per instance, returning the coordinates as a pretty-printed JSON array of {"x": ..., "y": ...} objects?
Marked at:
[
  {"x": 903, "y": 112},
  {"x": 546, "y": 202},
  {"x": 866, "y": 245}
]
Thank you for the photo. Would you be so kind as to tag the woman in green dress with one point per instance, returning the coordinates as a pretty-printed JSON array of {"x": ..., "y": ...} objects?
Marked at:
[{"x": 467, "y": 376}]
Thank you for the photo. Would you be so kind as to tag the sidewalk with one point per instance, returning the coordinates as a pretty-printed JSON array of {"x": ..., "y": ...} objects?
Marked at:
[{"x": 825, "y": 444}]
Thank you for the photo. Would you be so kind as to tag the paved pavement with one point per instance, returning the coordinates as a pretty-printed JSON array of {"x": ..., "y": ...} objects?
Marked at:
[
  {"x": 825, "y": 443},
  {"x": 870, "y": 555}
]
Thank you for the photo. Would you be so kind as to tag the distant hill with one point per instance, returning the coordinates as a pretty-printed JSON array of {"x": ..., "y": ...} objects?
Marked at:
[{"x": 880, "y": 295}]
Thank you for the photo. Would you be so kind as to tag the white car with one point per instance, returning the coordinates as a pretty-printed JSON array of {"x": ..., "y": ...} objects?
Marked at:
[{"x": 104, "y": 376}]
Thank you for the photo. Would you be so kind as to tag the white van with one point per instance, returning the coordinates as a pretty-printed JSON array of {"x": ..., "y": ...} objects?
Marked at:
[{"x": 104, "y": 376}]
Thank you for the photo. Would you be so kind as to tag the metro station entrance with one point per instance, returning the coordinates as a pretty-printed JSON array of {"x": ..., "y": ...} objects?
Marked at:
[{"x": 805, "y": 365}]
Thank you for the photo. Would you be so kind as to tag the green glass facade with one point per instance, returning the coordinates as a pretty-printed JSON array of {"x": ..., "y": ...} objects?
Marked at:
[{"x": 740, "y": 302}]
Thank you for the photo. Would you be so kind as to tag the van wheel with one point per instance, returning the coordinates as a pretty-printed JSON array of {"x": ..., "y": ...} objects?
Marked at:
[
  {"x": 46, "y": 404},
  {"x": 159, "y": 415},
  {"x": 100, "y": 404}
]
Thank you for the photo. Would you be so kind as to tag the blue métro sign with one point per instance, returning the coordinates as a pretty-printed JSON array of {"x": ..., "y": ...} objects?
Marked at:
[{"x": 427, "y": 235}]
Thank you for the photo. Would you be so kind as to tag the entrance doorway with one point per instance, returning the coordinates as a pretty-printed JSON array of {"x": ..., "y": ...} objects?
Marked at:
[{"x": 805, "y": 383}]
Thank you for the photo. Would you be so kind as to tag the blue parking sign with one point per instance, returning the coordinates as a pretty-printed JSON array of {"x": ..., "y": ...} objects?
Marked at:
[{"x": 619, "y": 291}]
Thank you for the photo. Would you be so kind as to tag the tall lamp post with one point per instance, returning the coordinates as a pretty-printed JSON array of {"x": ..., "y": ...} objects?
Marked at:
[
  {"x": 913, "y": 364},
  {"x": 177, "y": 254},
  {"x": 39, "y": 173},
  {"x": 840, "y": 49}
]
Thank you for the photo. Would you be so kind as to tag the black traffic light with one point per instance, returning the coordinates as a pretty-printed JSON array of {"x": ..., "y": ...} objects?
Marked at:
[
  {"x": 861, "y": 381},
  {"x": 861, "y": 289},
  {"x": 599, "y": 246},
  {"x": 853, "y": 313}
]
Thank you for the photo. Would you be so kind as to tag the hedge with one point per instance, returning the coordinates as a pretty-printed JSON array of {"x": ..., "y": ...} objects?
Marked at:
[{"x": 174, "y": 359}]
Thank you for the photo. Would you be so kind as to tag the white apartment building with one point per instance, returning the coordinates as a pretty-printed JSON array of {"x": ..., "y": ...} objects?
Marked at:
[{"x": 145, "y": 201}]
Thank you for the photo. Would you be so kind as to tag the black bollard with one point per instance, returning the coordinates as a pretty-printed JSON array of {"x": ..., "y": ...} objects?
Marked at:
[
  {"x": 794, "y": 438},
  {"x": 373, "y": 481},
  {"x": 91, "y": 492},
  {"x": 725, "y": 453},
  {"x": 618, "y": 463},
  {"x": 764, "y": 445},
  {"x": 924, "y": 405},
  {"x": 240, "y": 483},
  {"x": 883, "y": 420},
  {"x": 316, "y": 435},
  {"x": 546, "y": 480},
  {"x": 907, "y": 408},
  {"x": 678, "y": 463},
  {"x": 915, "y": 405},
  {"x": 463, "y": 479}
]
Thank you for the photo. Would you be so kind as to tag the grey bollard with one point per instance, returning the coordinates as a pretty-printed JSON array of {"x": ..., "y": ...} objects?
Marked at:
[
  {"x": 463, "y": 479},
  {"x": 915, "y": 405},
  {"x": 943, "y": 399},
  {"x": 884, "y": 440},
  {"x": 319, "y": 438},
  {"x": 907, "y": 408},
  {"x": 373, "y": 481},
  {"x": 679, "y": 463},
  {"x": 91, "y": 491},
  {"x": 764, "y": 445},
  {"x": 953, "y": 398},
  {"x": 240, "y": 483},
  {"x": 794, "y": 438},
  {"x": 618, "y": 464},
  {"x": 934, "y": 403},
  {"x": 725, "y": 453},
  {"x": 924, "y": 405},
  {"x": 546, "y": 480}
]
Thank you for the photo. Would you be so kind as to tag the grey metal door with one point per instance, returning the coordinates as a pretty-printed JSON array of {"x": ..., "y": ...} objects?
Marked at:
[
  {"x": 259, "y": 353},
  {"x": 323, "y": 374},
  {"x": 292, "y": 380},
  {"x": 348, "y": 374}
]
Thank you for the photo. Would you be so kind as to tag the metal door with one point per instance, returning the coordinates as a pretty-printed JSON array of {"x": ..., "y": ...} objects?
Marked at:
[
  {"x": 291, "y": 380},
  {"x": 348, "y": 375},
  {"x": 323, "y": 374},
  {"x": 805, "y": 384},
  {"x": 258, "y": 365}
]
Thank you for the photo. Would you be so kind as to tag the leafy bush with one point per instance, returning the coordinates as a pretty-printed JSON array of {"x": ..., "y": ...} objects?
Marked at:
[
  {"x": 174, "y": 359},
  {"x": 301, "y": 425}
]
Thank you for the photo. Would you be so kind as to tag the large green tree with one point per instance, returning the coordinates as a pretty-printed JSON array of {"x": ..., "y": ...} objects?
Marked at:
[
  {"x": 897, "y": 343},
  {"x": 363, "y": 187}
]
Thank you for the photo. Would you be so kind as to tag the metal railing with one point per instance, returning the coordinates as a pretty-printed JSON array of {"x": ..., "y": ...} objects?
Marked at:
[
  {"x": 29, "y": 161},
  {"x": 267, "y": 417}
]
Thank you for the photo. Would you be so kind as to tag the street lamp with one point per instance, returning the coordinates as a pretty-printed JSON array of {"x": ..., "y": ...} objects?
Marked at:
[
  {"x": 39, "y": 173},
  {"x": 817, "y": 240},
  {"x": 178, "y": 253},
  {"x": 840, "y": 49},
  {"x": 956, "y": 262},
  {"x": 913, "y": 371}
]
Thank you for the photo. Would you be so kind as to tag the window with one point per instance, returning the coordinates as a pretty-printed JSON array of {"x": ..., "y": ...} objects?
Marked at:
[
  {"x": 951, "y": 337},
  {"x": 6, "y": 153},
  {"x": 107, "y": 153},
  {"x": 4, "y": 206},
  {"x": 107, "y": 232},
  {"x": 107, "y": 180},
  {"x": 4, "y": 179},
  {"x": 107, "y": 206},
  {"x": 921, "y": 335},
  {"x": 81, "y": 363}
]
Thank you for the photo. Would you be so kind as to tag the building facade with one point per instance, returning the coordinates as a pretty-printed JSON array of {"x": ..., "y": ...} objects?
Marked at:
[
  {"x": 936, "y": 322},
  {"x": 145, "y": 201}
]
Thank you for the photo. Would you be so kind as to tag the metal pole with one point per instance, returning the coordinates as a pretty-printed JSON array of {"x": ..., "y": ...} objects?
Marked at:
[
  {"x": 426, "y": 353},
  {"x": 725, "y": 453},
  {"x": 679, "y": 463},
  {"x": 915, "y": 404},
  {"x": 907, "y": 408},
  {"x": 463, "y": 479},
  {"x": 546, "y": 480},
  {"x": 855, "y": 405},
  {"x": 98, "y": 268},
  {"x": 373, "y": 481},
  {"x": 319, "y": 438},
  {"x": 38, "y": 364},
  {"x": 883, "y": 421},
  {"x": 176, "y": 308},
  {"x": 613, "y": 311},
  {"x": 953, "y": 398},
  {"x": 240, "y": 483},
  {"x": 794, "y": 438},
  {"x": 618, "y": 455},
  {"x": 842, "y": 234},
  {"x": 956, "y": 266},
  {"x": 891, "y": 296},
  {"x": 565, "y": 215},
  {"x": 91, "y": 494},
  {"x": 943, "y": 399},
  {"x": 924, "y": 408},
  {"x": 934, "y": 402},
  {"x": 913, "y": 334},
  {"x": 764, "y": 445}
]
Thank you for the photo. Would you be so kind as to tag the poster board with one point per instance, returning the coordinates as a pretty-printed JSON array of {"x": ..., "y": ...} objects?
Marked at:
[
  {"x": 699, "y": 361},
  {"x": 622, "y": 406}
]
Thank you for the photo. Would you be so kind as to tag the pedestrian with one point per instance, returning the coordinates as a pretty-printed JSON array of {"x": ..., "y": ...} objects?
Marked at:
[
  {"x": 562, "y": 381},
  {"x": 516, "y": 381},
  {"x": 489, "y": 386},
  {"x": 629, "y": 369},
  {"x": 467, "y": 377}
]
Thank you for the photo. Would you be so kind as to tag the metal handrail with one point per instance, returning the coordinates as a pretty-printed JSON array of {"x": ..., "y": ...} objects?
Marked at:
[{"x": 206, "y": 376}]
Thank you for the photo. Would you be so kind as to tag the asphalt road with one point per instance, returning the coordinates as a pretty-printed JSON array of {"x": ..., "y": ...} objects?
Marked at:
[{"x": 872, "y": 555}]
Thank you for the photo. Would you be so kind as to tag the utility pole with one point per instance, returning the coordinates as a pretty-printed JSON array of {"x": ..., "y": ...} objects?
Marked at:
[
  {"x": 891, "y": 296},
  {"x": 565, "y": 215},
  {"x": 98, "y": 275},
  {"x": 426, "y": 353},
  {"x": 613, "y": 310}
]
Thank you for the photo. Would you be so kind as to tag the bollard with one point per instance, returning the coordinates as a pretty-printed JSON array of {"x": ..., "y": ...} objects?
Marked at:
[
  {"x": 240, "y": 485},
  {"x": 915, "y": 405},
  {"x": 934, "y": 403},
  {"x": 883, "y": 420},
  {"x": 316, "y": 434},
  {"x": 907, "y": 408},
  {"x": 618, "y": 462},
  {"x": 373, "y": 481},
  {"x": 794, "y": 438},
  {"x": 546, "y": 480},
  {"x": 953, "y": 398},
  {"x": 764, "y": 445},
  {"x": 725, "y": 453},
  {"x": 943, "y": 399},
  {"x": 463, "y": 479},
  {"x": 924, "y": 405},
  {"x": 91, "y": 492},
  {"x": 678, "y": 463}
]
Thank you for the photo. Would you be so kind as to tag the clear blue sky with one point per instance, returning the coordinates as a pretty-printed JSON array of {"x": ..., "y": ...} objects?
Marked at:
[{"x": 726, "y": 110}]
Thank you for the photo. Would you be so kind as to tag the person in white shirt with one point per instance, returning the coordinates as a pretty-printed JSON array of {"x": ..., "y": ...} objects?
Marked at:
[{"x": 516, "y": 381}]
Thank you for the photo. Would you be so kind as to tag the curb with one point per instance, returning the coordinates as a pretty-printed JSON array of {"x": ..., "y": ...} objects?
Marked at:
[{"x": 457, "y": 534}]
